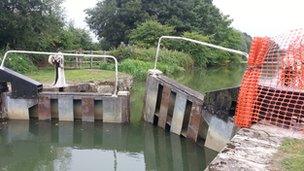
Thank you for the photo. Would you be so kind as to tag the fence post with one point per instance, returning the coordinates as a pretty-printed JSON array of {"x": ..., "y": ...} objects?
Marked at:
[
  {"x": 77, "y": 60},
  {"x": 91, "y": 60}
]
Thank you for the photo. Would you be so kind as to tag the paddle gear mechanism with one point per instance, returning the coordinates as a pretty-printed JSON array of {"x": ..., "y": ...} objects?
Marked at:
[{"x": 58, "y": 61}]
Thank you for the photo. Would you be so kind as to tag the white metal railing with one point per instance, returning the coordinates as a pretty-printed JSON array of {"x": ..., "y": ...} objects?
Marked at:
[
  {"x": 197, "y": 42},
  {"x": 67, "y": 54}
]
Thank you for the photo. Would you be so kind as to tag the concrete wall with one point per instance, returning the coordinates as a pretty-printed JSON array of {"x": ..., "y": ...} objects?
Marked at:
[
  {"x": 218, "y": 111},
  {"x": 19, "y": 108},
  {"x": 206, "y": 119},
  {"x": 167, "y": 103},
  {"x": 67, "y": 106}
]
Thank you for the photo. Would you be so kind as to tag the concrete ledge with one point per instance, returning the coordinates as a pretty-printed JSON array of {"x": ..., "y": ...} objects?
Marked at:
[{"x": 251, "y": 149}]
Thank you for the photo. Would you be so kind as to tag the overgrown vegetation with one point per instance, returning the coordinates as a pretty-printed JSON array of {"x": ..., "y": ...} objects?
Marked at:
[
  {"x": 128, "y": 29},
  {"x": 166, "y": 56},
  {"x": 38, "y": 25},
  {"x": 137, "y": 61},
  {"x": 19, "y": 63},
  {"x": 292, "y": 152},
  {"x": 175, "y": 56},
  {"x": 139, "y": 69},
  {"x": 147, "y": 34},
  {"x": 203, "y": 56},
  {"x": 114, "y": 20}
]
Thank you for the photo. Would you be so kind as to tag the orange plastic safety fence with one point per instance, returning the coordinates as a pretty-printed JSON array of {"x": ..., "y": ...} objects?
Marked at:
[{"x": 272, "y": 90}]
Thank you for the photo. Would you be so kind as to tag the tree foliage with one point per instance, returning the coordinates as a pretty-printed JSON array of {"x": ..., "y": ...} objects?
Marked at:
[
  {"x": 74, "y": 38},
  {"x": 113, "y": 20},
  {"x": 148, "y": 33},
  {"x": 30, "y": 24},
  {"x": 38, "y": 25}
]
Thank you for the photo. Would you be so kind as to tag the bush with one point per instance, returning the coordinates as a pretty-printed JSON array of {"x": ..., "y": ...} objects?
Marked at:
[
  {"x": 166, "y": 56},
  {"x": 139, "y": 69},
  {"x": 123, "y": 52},
  {"x": 147, "y": 34},
  {"x": 107, "y": 66},
  {"x": 19, "y": 63},
  {"x": 202, "y": 55}
]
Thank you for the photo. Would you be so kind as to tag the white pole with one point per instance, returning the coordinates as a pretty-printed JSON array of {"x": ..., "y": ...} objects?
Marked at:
[
  {"x": 67, "y": 54},
  {"x": 197, "y": 42}
]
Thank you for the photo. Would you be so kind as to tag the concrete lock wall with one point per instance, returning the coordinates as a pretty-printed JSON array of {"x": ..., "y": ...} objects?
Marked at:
[
  {"x": 205, "y": 119},
  {"x": 67, "y": 106}
]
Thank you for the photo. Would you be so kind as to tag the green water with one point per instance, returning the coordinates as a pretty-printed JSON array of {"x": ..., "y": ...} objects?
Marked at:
[{"x": 30, "y": 145}]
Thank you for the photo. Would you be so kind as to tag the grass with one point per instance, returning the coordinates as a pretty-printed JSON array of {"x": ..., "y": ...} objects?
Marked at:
[
  {"x": 74, "y": 76},
  {"x": 292, "y": 154}
]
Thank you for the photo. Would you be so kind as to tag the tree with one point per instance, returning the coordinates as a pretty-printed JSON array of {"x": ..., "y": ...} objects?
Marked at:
[
  {"x": 148, "y": 33},
  {"x": 112, "y": 20},
  {"x": 72, "y": 38},
  {"x": 30, "y": 24},
  {"x": 178, "y": 13}
]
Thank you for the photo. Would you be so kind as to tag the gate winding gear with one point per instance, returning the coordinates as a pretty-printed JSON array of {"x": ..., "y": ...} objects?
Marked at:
[{"x": 272, "y": 89}]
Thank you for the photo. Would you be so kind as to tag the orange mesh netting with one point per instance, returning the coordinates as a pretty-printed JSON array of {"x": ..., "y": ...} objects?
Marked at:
[{"x": 272, "y": 90}]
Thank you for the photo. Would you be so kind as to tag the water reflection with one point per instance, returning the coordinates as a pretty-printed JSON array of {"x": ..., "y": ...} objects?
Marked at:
[
  {"x": 213, "y": 78},
  {"x": 78, "y": 146}
]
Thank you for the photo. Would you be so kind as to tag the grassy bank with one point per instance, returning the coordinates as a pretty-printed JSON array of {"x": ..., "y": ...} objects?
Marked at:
[
  {"x": 74, "y": 76},
  {"x": 291, "y": 155}
]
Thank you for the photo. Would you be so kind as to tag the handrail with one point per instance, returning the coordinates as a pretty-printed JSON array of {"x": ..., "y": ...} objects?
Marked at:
[
  {"x": 197, "y": 42},
  {"x": 67, "y": 54}
]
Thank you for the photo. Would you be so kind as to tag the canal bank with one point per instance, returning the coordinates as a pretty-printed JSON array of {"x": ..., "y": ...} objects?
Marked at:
[{"x": 253, "y": 149}]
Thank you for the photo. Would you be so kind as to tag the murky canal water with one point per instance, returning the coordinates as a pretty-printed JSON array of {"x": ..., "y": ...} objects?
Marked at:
[{"x": 86, "y": 146}]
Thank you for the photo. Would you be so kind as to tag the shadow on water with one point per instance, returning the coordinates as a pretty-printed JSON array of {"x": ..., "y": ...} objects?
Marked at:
[
  {"x": 86, "y": 146},
  {"x": 78, "y": 146}
]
